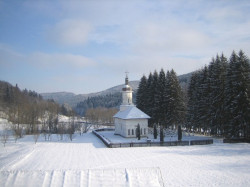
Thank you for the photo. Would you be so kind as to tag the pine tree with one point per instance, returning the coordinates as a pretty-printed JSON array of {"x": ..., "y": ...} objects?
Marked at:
[
  {"x": 231, "y": 128},
  {"x": 160, "y": 106},
  {"x": 152, "y": 102},
  {"x": 161, "y": 134},
  {"x": 217, "y": 72},
  {"x": 203, "y": 101},
  {"x": 221, "y": 112},
  {"x": 155, "y": 131},
  {"x": 192, "y": 100},
  {"x": 174, "y": 102},
  {"x": 141, "y": 97},
  {"x": 149, "y": 98},
  {"x": 179, "y": 133},
  {"x": 138, "y": 131}
]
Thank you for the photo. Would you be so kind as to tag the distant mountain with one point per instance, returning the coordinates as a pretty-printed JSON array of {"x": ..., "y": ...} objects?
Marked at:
[{"x": 73, "y": 99}]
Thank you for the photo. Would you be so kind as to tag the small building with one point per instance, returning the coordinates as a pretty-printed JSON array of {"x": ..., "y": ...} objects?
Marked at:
[{"x": 129, "y": 116}]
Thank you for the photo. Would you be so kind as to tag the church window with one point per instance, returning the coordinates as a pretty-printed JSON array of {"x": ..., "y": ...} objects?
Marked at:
[{"x": 128, "y": 131}]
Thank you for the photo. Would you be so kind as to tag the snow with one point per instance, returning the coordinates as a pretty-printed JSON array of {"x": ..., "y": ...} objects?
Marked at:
[
  {"x": 132, "y": 112},
  {"x": 87, "y": 162}
]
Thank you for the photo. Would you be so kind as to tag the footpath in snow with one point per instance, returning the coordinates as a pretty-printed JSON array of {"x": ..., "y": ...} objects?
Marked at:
[{"x": 92, "y": 177}]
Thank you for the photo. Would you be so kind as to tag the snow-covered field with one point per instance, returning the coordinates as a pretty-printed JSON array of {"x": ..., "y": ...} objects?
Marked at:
[{"x": 87, "y": 162}]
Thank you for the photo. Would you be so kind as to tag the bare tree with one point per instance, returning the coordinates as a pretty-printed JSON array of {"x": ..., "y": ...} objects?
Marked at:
[
  {"x": 61, "y": 130},
  {"x": 100, "y": 116},
  {"x": 4, "y": 136},
  {"x": 70, "y": 131},
  {"x": 17, "y": 131},
  {"x": 85, "y": 127},
  {"x": 36, "y": 134}
]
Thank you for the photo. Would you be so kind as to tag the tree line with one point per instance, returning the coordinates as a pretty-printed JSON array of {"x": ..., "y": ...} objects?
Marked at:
[
  {"x": 106, "y": 101},
  {"x": 217, "y": 101},
  {"x": 160, "y": 96},
  {"x": 100, "y": 116},
  {"x": 219, "y": 97},
  {"x": 28, "y": 112}
]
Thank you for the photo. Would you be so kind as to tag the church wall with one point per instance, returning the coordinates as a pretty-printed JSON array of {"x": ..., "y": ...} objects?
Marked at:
[
  {"x": 132, "y": 125},
  {"x": 119, "y": 126},
  {"x": 127, "y": 128}
]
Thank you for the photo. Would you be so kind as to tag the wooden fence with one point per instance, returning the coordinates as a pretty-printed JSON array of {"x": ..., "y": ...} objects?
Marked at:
[
  {"x": 236, "y": 140},
  {"x": 201, "y": 142}
]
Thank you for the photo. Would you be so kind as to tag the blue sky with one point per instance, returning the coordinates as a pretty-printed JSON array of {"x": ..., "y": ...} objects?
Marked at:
[{"x": 86, "y": 46}]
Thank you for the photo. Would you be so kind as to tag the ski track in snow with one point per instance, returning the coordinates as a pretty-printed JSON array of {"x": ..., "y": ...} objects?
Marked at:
[{"x": 87, "y": 162}]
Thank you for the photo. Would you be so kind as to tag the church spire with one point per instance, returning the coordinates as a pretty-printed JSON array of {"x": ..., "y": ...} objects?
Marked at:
[
  {"x": 126, "y": 87},
  {"x": 127, "y": 97},
  {"x": 126, "y": 79}
]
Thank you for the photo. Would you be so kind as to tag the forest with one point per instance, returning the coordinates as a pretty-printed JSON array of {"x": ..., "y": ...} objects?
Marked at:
[
  {"x": 219, "y": 97},
  {"x": 27, "y": 109}
]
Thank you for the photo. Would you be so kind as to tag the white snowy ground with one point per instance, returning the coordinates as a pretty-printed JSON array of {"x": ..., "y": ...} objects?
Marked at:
[{"x": 87, "y": 162}]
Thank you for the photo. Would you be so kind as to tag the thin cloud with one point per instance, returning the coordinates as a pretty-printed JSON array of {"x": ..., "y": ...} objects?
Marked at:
[
  {"x": 59, "y": 60},
  {"x": 70, "y": 32},
  {"x": 10, "y": 58}
]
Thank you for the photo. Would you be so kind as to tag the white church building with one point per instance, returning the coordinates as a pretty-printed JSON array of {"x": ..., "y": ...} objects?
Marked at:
[{"x": 129, "y": 116}]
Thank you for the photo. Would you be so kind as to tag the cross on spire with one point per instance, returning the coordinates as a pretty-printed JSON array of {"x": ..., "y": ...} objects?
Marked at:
[
  {"x": 126, "y": 79},
  {"x": 126, "y": 73}
]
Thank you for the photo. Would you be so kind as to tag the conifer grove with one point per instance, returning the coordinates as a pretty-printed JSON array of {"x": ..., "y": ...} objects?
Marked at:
[{"x": 217, "y": 103}]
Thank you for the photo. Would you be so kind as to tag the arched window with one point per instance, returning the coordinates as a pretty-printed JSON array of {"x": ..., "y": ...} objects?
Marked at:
[
  {"x": 128, "y": 131},
  {"x": 145, "y": 131},
  {"x": 132, "y": 131}
]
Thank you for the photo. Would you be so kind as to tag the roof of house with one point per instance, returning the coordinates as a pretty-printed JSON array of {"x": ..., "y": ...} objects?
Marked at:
[{"x": 131, "y": 113}]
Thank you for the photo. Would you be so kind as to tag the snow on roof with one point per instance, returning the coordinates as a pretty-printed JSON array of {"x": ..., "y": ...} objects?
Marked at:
[{"x": 131, "y": 113}]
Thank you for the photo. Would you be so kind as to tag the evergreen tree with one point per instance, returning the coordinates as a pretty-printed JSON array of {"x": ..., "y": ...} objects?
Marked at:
[
  {"x": 141, "y": 97},
  {"x": 179, "y": 133},
  {"x": 152, "y": 102},
  {"x": 161, "y": 134},
  {"x": 217, "y": 72},
  {"x": 138, "y": 131},
  {"x": 231, "y": 128},
  {"x": 160, "y": 105},
  {"x": 191, "y": 106},
  {"x": 199, "y": 107},
  {"x": 198, "y": 116},
  {"x": 174, "y": 102},
  {"x": 155, "y": 131},
  {"x": 149, "y": 98}
]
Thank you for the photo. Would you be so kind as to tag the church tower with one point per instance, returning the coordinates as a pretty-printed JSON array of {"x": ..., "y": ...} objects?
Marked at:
[
  {"x": 127, "y": 119},
  {"x": 127, "y": 95}
]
